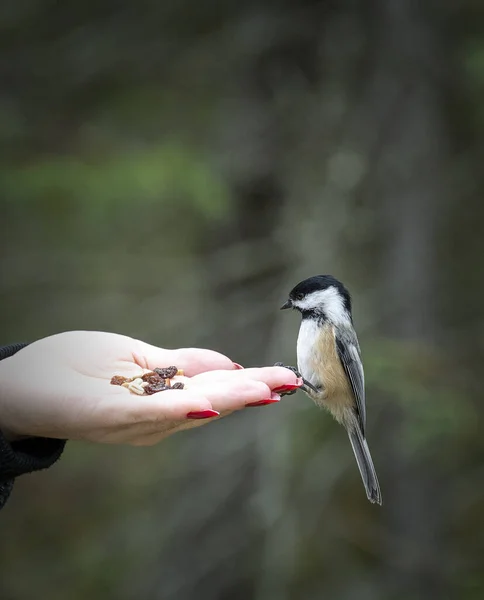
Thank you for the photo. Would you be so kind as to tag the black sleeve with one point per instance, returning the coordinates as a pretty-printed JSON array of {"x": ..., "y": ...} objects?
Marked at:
[{"x": 26, "y": 455}]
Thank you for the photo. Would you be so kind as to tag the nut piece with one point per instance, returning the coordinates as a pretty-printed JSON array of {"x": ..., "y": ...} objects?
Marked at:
[
  {"x": 178, "y": 386},
  {"x": 136, "y": 390},
  {"x": 118, "y": 380},
  {"x": 136, "y": 386}
]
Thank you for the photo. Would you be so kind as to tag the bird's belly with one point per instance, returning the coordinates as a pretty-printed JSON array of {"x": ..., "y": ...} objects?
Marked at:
[{"x": 319, "y": 363}]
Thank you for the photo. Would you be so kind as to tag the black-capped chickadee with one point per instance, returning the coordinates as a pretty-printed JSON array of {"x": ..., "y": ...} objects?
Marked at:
[{"x": 329, "y": 361}]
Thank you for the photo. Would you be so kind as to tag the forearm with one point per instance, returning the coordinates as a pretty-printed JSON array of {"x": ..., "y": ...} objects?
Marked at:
[{"x": 22, "y": 455}]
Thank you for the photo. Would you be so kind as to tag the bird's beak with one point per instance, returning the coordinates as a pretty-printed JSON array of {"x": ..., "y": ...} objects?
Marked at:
[{"x": 288, "y": 304}]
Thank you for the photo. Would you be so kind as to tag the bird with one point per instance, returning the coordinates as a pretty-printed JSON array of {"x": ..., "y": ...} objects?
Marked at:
[{"x": 329, "y": 362}]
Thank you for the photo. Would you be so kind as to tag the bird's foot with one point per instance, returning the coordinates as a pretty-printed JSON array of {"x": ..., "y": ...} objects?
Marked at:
[
  {"x": 306, "y": 385},
  {"x": 293, "y": 369}
]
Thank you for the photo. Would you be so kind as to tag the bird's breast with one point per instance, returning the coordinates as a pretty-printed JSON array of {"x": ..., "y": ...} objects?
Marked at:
[
  {"x": 307, "y": 346},
  {"x": 319, "y": 363}
]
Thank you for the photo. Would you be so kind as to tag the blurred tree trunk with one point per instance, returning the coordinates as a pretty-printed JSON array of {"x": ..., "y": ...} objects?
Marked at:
[
  {"x": 245, "y": 265},
  {"x": 410, "y": 178}
]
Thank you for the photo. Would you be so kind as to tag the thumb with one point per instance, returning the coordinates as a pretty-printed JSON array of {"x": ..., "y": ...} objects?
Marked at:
[{"x": 192, "y": 360}]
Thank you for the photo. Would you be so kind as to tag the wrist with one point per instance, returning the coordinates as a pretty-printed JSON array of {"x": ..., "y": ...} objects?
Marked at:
[{"x": 7, "y": 402}]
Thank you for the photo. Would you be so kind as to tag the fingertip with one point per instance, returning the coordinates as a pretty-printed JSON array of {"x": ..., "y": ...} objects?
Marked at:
[
  {"x": 273, "y": 373},
  {"x": 286, "y": 373},
  {"x": 203, "y": 414},
  {"x": 273, "y": 399},
  {"x": 275, "y": 377}
]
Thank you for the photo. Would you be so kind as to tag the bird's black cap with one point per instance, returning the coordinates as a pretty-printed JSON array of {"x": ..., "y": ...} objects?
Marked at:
[{"x": 315, "y": 284}]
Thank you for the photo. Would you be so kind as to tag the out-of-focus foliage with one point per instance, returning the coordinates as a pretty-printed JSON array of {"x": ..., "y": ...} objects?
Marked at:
[
  {"x": 152, "y": 176},
  {"x": 169, "y": 170}
]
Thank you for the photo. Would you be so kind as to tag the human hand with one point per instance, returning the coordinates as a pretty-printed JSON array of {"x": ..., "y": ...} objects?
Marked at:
[{"x": 59, "y": 387}]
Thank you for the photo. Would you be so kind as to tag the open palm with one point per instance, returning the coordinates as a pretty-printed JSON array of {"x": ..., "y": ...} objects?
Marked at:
[{"x": 60, "y": 387}]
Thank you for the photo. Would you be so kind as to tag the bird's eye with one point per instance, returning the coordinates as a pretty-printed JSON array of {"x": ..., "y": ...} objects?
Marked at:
[{"x": 299, "y": 296}]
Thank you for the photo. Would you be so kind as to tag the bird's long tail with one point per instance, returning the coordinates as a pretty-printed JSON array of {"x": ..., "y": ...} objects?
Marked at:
[{"x": 365, "y": 464}]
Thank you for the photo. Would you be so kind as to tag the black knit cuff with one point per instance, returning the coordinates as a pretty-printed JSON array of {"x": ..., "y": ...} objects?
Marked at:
[
  {"x": 8, "y": 351},
  {"x": 5, "y": 491},
  {"x": 27, "y": 455}
]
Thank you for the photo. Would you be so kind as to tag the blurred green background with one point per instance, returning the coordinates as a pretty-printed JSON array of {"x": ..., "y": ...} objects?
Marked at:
[{"x": 169, "y": 170}]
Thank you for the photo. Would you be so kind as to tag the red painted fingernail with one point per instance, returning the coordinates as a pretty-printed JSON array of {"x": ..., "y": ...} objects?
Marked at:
[
  {"x": 203, "y": 414},
  {"x": 237, "y": 366},
  {"x": 262, "y": 402},
  {"x": 272, "y": 400},
  {"x": 290, "y": 386}
]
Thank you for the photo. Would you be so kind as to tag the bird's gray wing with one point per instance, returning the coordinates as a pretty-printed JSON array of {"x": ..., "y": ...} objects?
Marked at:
[{"x": 349, "y": 354}]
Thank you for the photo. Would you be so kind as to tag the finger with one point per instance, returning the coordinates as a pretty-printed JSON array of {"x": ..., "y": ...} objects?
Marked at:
[
  {"x": 198, "y": 360},
  {"x": 274, "y": 377},
  {"x": 191, "y": 360},
  {"x": 124, "y": 417},
  {"x": 225, "y": 398},
  {"x": 235, "y": 395},
  {"x": 168, "y": 405},
  {"x": 196, "y": 400},
  {"x": 164, "y": 412},
  {"x": 155, "y": 417}
]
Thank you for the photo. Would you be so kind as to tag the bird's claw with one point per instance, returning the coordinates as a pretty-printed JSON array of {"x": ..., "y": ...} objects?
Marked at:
[
  {"x": 293, "y": 369},
  {"x": 305, "y": 388}
]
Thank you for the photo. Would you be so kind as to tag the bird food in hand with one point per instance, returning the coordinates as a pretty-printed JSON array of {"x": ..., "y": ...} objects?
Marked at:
[{"x": 157, "y": 380}]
